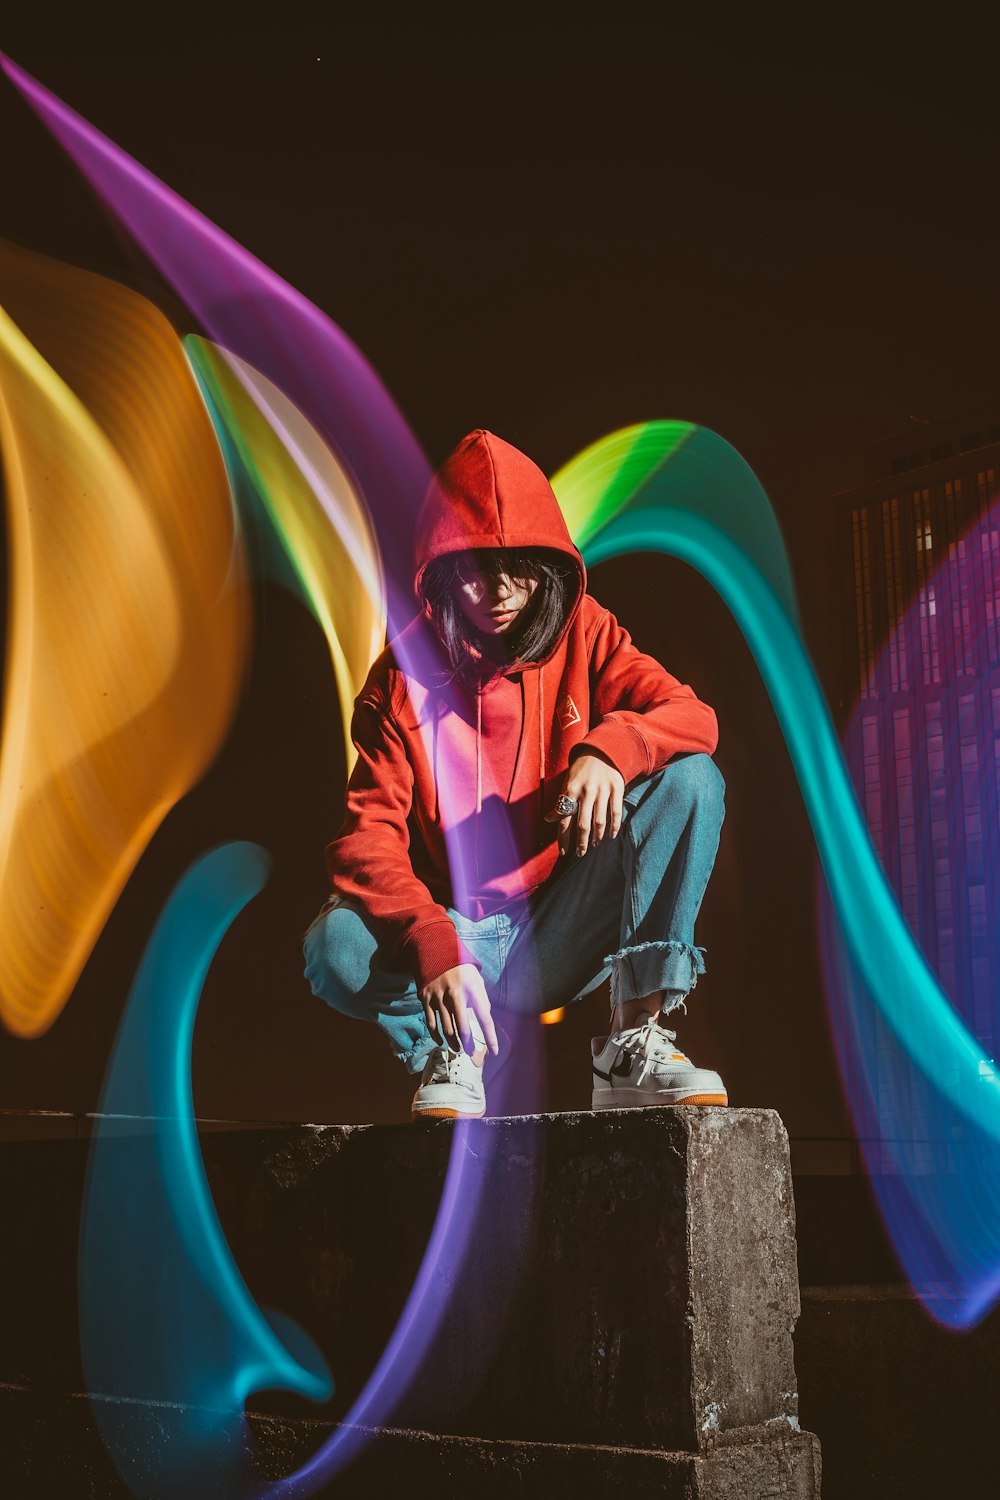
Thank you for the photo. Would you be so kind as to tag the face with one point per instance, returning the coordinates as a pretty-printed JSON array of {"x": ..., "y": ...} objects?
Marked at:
[{"x": 492, "y": 609}]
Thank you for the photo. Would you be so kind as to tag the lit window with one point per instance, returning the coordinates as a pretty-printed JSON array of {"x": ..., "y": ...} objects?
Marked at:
[{"x": 924, "y": 540}]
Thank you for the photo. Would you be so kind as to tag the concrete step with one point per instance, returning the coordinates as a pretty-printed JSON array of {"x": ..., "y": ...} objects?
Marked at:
[
  {"x": 904, "y": 1405},
  {"x": 52, "y": 1449}
]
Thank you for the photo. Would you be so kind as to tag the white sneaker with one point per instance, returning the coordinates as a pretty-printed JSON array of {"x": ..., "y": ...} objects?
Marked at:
[
  {"x": 641, "y": 1066},
  {"x": 451, "y": 1086}
]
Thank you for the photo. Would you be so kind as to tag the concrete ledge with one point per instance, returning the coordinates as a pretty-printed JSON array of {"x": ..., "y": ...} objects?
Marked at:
[
  {"x": 53, "y": 1445},
  {"x": 904, "y": 1405}
]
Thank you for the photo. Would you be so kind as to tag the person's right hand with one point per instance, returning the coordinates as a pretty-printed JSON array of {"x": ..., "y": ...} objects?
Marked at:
[{"x": 447, "y": 1001}]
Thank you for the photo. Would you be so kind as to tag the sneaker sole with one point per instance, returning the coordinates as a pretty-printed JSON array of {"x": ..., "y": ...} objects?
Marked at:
[
  {"x": 620, "y": 1099},
  {"x": 439, "y": 1112}
]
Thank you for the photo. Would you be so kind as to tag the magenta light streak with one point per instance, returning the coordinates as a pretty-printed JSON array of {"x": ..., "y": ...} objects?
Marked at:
[{"x": 256, "y": 315}]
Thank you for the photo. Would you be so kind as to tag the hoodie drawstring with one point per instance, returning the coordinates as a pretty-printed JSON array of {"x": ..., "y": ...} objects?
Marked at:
[{"x": 435, "y": 727}]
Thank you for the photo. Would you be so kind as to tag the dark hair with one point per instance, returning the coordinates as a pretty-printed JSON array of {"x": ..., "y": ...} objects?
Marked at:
[{"x": 538, "y": 627}]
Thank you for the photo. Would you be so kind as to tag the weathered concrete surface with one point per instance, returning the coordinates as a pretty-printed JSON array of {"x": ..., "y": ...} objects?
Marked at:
[
  {"x": 630, "y": 1282},
  {"x": 743, "y": 1288},
  {"x": 631, "y": 1278}
]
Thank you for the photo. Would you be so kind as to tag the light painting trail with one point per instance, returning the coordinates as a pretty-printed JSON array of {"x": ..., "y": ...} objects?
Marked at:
[
  {"x": 702, "y": 503},
  {"x": 258, "y": 319},
  {"x": 165, "y": 1315},
  {"x": 324, "y": 529},
  {"x": 128, "y": 620}
]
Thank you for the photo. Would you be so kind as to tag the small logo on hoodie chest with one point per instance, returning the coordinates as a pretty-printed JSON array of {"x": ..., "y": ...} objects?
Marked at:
[{"x": 567, "y": 713}]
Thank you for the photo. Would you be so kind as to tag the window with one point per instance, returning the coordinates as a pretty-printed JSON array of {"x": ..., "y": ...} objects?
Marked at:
[
  {"x": 953, "y": 495},
  {"x": 941, "y": 914},
  {"x": 873, "y": 780},
  {"x": 926, "y": 595},
  {"x": 989, "y": 544},
  {"x": 894, "y": 594},
  {"x": 904, "y": 816},
  {"x": 863, "y": 600},
  {"x": 958, "y": 576},
  {"x": 982, "y": 992}
]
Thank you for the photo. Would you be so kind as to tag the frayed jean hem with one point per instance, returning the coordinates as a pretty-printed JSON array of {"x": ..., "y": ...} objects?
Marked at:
[
  {"x": 643, "y": 968},
  {"x": 415, "y": 1060}
]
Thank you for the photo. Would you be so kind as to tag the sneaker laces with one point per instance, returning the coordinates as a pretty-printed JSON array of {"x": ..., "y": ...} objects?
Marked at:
[
  {"x": 444, "y": 1065},
  {"x": 653, "y": 1043}
]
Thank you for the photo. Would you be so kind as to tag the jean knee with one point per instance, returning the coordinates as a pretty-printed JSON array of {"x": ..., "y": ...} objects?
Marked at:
[
  {"x": 337, "y": 950},
  {"x": 697, "y": 779}
]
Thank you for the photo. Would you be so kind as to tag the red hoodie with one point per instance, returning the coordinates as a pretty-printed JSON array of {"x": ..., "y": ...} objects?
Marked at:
[{"x": 486, "y": 765}]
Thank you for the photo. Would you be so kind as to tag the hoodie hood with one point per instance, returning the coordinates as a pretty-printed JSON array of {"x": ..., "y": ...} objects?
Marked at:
[{"x": 489, "y": 494}]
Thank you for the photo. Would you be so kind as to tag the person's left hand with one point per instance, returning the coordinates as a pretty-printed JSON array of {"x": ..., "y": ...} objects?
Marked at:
[{"x": 599, "y": 790}]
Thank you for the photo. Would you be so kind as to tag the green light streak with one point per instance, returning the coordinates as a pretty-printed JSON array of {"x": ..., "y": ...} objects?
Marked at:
[{"x": 703, "y": 505}]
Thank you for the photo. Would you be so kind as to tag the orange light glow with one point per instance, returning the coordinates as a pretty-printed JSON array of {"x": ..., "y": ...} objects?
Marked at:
[
  {"x": 553, "y": 1017},
  {"x": 128, "y": 620}
]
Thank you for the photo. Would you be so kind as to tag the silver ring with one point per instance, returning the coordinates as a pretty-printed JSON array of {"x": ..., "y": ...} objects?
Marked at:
[{"x": 566, "y": 806}]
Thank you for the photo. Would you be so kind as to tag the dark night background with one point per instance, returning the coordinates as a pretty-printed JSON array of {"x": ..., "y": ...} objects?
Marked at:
[{"x": 784, "y": 229}]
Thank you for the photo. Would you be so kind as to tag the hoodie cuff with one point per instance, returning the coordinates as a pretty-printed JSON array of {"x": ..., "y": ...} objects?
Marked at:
[
  {"x": 624, "y": 747},
  {"x": 433, "y": 948}
]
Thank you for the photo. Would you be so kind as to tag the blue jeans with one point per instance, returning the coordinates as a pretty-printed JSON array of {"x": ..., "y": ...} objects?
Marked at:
[{"x": 627, "y": 908}]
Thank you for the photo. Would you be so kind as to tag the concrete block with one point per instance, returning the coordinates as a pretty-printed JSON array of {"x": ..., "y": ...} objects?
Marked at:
[{"x": 631, "y": 1278}]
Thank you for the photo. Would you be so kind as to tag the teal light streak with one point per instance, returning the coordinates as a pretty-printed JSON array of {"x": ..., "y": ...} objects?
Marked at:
[
  {"x": 708, "y": 478},
  {"x": 703, "y": 505},
  {"x": 165, "y": 1314}
]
